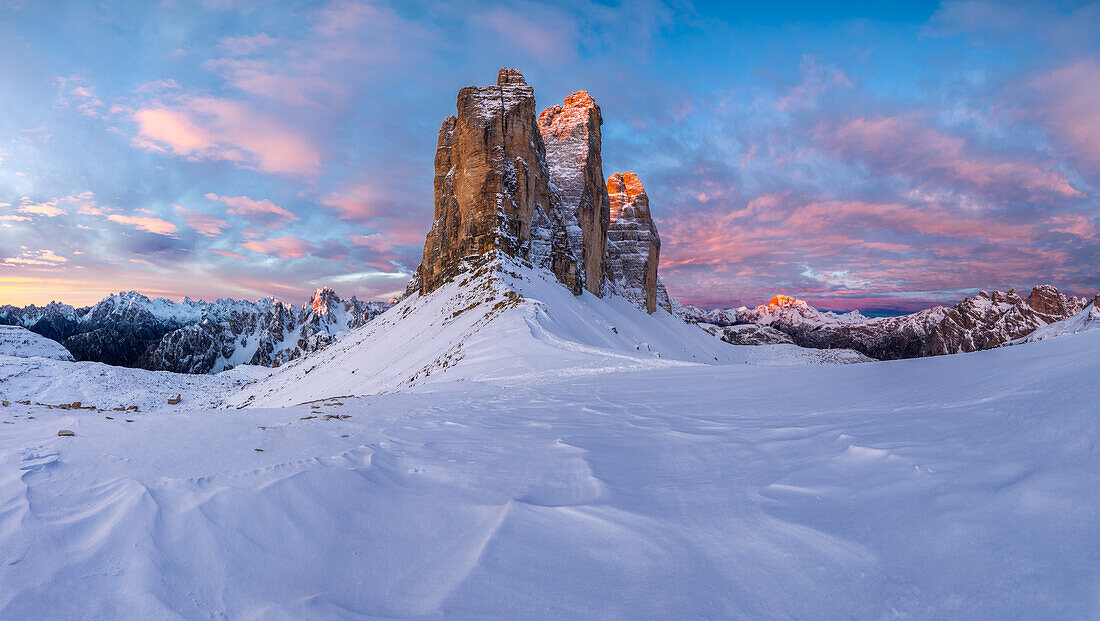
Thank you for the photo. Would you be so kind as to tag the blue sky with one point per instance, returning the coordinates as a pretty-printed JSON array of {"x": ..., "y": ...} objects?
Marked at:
[{"x": 857, "y": 155}]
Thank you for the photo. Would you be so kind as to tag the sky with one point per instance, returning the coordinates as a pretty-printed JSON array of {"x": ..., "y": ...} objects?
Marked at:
[{"x": 856, "y": 155}]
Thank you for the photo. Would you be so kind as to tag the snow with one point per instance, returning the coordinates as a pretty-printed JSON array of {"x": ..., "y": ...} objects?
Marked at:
[
  {"x": 102, "y": 386},
  {"x": 20, "y": 342},
  {"x": 948, "y": 487}
]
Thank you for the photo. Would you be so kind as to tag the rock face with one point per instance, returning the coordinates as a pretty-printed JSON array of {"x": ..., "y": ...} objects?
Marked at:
[
  {"x": 129, "y": 329},
  {"x": 571, "y": 133},
  {"x": 534, "y": 189},
  {"x": 492, "y": 187},
  {"x": 983, "y": 321},
  {"x": 633, "y": 245}
]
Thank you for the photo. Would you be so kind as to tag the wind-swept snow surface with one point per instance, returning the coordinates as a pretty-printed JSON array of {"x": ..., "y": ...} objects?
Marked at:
[
  {"x": 950, "y": 487},
  {"x": 507, "y": 322},
  {"x": 20, "y": 342}
]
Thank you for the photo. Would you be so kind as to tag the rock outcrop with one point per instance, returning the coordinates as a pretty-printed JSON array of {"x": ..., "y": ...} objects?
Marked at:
[
  {"x": 533, "y": 189},
  {"x": 748, "y": 334},
  {"x": 492, "y": 187},
  {"x": 633, "y": 245},
  {"x": 571, "y": 133}
]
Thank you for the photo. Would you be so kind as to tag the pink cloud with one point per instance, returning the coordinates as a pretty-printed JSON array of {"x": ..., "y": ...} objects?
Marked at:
[
  {"x": 261, "y": 212},
  {"x": 227, "y": 253},
  {"x": 35, "y": 258},
  {"x": 259, "y": 78},
  {"x": 143, "y": 223},
  {"x": 1069, "y": 106},
  {"x": 1076, "y": 225},
  {"x": 906, "y": 145},
  {"x": 49, "y": 209},
  {"x": 359, "y": 202},
  {"x": 204, "y": 224},
  {"x": 285, "y": 247},
  {"x": 219, "y": 129}
]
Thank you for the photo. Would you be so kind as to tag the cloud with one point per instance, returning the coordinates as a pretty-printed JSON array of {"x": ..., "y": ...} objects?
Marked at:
[
  {"x": 35, "y": 258},
  {"x": 1068, "y": 105},
  {"x": 212, "y": 128},
  {"x": 816, "y": 81},
  {"x": 203, "y": 224},
  {"x": 356, "y": 203},
  {"x": 545, "y": 34},
  {"x": 262, "y": 212},
  {"x": 143, "y": 223},
  {"x": 75, "y": 92},
  {"x": 244, "y": 45},
  {"x": 906, "y": 145},
  {"x": 49, "y": 209},
  {"x": 162, "y": 130},
  {"x": 227, "y": 253},
  {"x": 283, "y": 247}
]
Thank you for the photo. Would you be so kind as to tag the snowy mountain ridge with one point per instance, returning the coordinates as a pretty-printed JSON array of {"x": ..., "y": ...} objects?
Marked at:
[
  {"x": 982, "y": 321},
  {"x": 131, "y": 329}
]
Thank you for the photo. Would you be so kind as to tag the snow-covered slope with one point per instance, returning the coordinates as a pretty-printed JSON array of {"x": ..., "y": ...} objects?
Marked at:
[
  {"x": 19, "y": 342},
  {"x": 1087, "y": 319},
  {"x": 103, "y": 386},
  {"x": 506, "y": 321},
  {"x": 953, "y": 487}
]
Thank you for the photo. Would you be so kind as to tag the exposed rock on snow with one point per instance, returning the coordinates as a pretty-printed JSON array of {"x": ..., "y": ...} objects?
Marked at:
[
  {"x": 748, "y": 334},
  {"x": 979, "y": 322},
  {"x": 571, "y": 133},
  {"x": 633, "y": 245},
  {"x": 19, "y": 342}
]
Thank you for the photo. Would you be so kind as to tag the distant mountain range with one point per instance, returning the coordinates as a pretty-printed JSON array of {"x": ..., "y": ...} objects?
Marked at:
[
  {"x": 983, "y": 321},
  {"x": 132, "y": 330}
]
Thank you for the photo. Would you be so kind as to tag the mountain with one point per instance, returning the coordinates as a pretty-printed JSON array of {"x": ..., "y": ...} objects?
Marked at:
[
  {"x": 983, "y": 321},
  {"x": 130, "y": 329}
]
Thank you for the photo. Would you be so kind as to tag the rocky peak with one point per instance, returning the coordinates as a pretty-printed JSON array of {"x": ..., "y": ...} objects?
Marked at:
[
  {"x": 784, "y": 300},
  {"x": 1048, "y": 300},
  {"x": 571, "y": 133},
  {"x": 492, "y": 187},
  {"x": 633, "y": 245},
  {"x": 508, "y": 75},
  {"x": 323, "y": 298}
]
